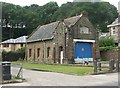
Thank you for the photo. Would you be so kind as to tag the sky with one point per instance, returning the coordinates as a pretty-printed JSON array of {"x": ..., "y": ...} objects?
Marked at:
[{"x": 42, "y": 2}]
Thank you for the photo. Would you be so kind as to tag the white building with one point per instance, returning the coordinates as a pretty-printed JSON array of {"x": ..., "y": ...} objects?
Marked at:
[
  {"x": 114, "y": 29},
  {"x": 13, "y": 44}
]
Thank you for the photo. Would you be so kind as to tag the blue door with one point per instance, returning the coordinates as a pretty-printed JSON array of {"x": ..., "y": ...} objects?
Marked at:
[{"x": 83, "y": 50}]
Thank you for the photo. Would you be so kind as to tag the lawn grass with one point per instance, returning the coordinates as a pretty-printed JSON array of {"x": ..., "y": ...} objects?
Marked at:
[{"x": 74, "y": 70}]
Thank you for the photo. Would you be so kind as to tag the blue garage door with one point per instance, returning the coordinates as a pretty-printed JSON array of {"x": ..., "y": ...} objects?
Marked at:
[{"x": 83, "y": 50}]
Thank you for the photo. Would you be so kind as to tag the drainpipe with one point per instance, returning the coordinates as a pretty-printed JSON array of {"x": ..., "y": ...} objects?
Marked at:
[
  {"x": 44, "y": 51},
  {"x": 26, "y": 49},
  {"x": 34, "y": 54},
  {"x": 66, "y": 48}
]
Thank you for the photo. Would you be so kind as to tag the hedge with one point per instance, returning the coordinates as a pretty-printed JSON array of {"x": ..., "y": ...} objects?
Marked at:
[
  {"x": 13, "y": 55},
  {"x": 109, "y": 48}
]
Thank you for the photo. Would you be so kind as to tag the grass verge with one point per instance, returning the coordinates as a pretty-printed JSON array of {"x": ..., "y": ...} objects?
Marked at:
[{"x": 73, "y": 70}]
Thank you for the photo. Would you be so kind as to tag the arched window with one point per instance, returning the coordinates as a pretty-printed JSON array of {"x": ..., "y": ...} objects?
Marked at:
[
  {"x": 84, "y": 30},
  {"x": 61, "y": 48},
  {"x": 48, "y": 51},
  {"x": 30, "y": 52},
  {"x": 38, "y": 52}
]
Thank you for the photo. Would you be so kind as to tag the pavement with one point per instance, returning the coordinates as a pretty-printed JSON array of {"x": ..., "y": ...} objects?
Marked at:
[{"x": 39, "y": 78}]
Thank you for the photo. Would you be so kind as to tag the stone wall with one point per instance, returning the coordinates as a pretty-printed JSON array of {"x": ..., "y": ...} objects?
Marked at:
[
  {"x": 110, "y": 54},
  {"x": 62, "y": 42},
  {"x": 42, "y": 53}
]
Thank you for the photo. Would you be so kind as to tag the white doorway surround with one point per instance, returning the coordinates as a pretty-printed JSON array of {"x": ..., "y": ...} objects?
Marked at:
[
  {"x": 61, "y": 57},
  {"x": 82, "y": 40}
]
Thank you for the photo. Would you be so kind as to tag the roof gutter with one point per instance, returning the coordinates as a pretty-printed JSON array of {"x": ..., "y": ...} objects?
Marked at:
[{"x": 112, "y": 25}]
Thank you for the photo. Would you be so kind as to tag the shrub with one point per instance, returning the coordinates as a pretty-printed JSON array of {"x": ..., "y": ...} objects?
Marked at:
[
  {"x": 109, "y": 48},
  {"x": 106, "y": 41},
  {"x": 118, "y": 47},
  {"x": 21, "y": 50},
  {"x": 13, "y": 56}
]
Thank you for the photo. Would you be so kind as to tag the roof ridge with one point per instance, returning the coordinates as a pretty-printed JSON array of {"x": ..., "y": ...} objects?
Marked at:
[
  {"x": 72, "y": 17},
  {"x": 49, "y": 23},
  {"x": 44, "y": 32}
]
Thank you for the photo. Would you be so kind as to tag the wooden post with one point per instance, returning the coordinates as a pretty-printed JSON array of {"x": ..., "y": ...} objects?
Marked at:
[
  {"x": 99, "y": 66},
  {"x": 95, "y": 66},
  {"x": 117, "y": 65},
  {"x": 111, "y": 65}
]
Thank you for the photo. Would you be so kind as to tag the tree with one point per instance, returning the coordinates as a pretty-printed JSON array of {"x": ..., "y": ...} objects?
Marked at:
[
  {"x": 106, "y": 41},
  {"x": 100, "y": 14},
  {"x": 18, "y": 21},
  {"x": 12, "y": 21}
]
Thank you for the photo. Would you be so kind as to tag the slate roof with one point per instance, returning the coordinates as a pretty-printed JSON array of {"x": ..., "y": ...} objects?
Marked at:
[
  {"x": 43, "y": 32},
  {"x": 46, "y": 32},
  {"x": 9, "y": 41},
  {"x": 71, "y": 20},
  {"x": 21, "y": 39}
]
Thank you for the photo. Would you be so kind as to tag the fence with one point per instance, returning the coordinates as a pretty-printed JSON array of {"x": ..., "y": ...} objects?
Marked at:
[
  {"x": 17, "y": 70},
  {"x": 107, "y": 66}
]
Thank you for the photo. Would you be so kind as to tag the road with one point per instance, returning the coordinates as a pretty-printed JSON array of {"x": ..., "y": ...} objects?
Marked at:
[{"x": 39, "y": 78}]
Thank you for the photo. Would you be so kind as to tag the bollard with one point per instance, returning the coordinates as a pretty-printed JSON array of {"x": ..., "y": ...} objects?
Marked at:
[
  {"x": 99, "y": 66},
  {"x": 95, "y": 66},
  {"x": 111, "y": 65}
]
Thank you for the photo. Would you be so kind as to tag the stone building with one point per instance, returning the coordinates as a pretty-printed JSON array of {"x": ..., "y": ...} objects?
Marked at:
[
  {"x": 71, "y": 40},
  {"x": 114, "y": 28}
]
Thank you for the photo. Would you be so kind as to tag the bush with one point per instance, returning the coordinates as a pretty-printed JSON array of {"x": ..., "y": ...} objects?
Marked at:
[
  {"x": 109, "y": 48},
  {"x": 106, "y": 41},
  {"x": 21, "y": 50},
  {"x": 13, "y": 56},
  {"x": 103, "y": 59},
  {"x": 118, "y": 47}
]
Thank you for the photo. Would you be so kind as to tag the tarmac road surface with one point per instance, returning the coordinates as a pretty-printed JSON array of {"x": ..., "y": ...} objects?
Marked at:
[{"x": 39, "y": 78}]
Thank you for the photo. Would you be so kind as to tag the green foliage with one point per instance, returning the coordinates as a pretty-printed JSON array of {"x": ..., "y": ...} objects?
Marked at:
[
  {"x": 21, "y": 49},
  {"x": 13, "y": 56},
  {"x": 106, "y": 41},
  {"x": 100, "y": 13},
  {"x": 18, "y": 21},
  {"x": 108, "y": 48},
  {"x": 103, "y": 59},
  {"x": 118, "y": 47}
]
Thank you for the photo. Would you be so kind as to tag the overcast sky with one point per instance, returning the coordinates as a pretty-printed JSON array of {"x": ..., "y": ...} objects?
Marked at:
[{"x": 42, "y": 2}]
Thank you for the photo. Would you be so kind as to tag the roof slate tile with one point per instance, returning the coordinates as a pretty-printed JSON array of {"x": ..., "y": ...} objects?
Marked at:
[{"x": 46, "y": 32}]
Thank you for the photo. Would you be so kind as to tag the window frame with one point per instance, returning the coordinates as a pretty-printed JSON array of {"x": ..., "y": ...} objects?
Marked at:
[
  {"x": 38, "y": 52},
  {"x": 84, "y": 32},
  {"x": 48, "y": 52},
  {"x": 5, "y": 45},
  {"x": 30, "y": 53}
]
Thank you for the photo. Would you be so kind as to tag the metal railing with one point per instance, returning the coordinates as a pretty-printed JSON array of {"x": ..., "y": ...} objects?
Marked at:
[{"x": 17, "y": 70}]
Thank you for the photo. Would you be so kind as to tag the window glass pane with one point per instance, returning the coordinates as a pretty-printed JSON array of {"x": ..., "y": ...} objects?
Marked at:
[
  {"x": 84, "y": 30},
  {"x": 38, "y": 52},
  {"x": 30, "y": 51}
]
